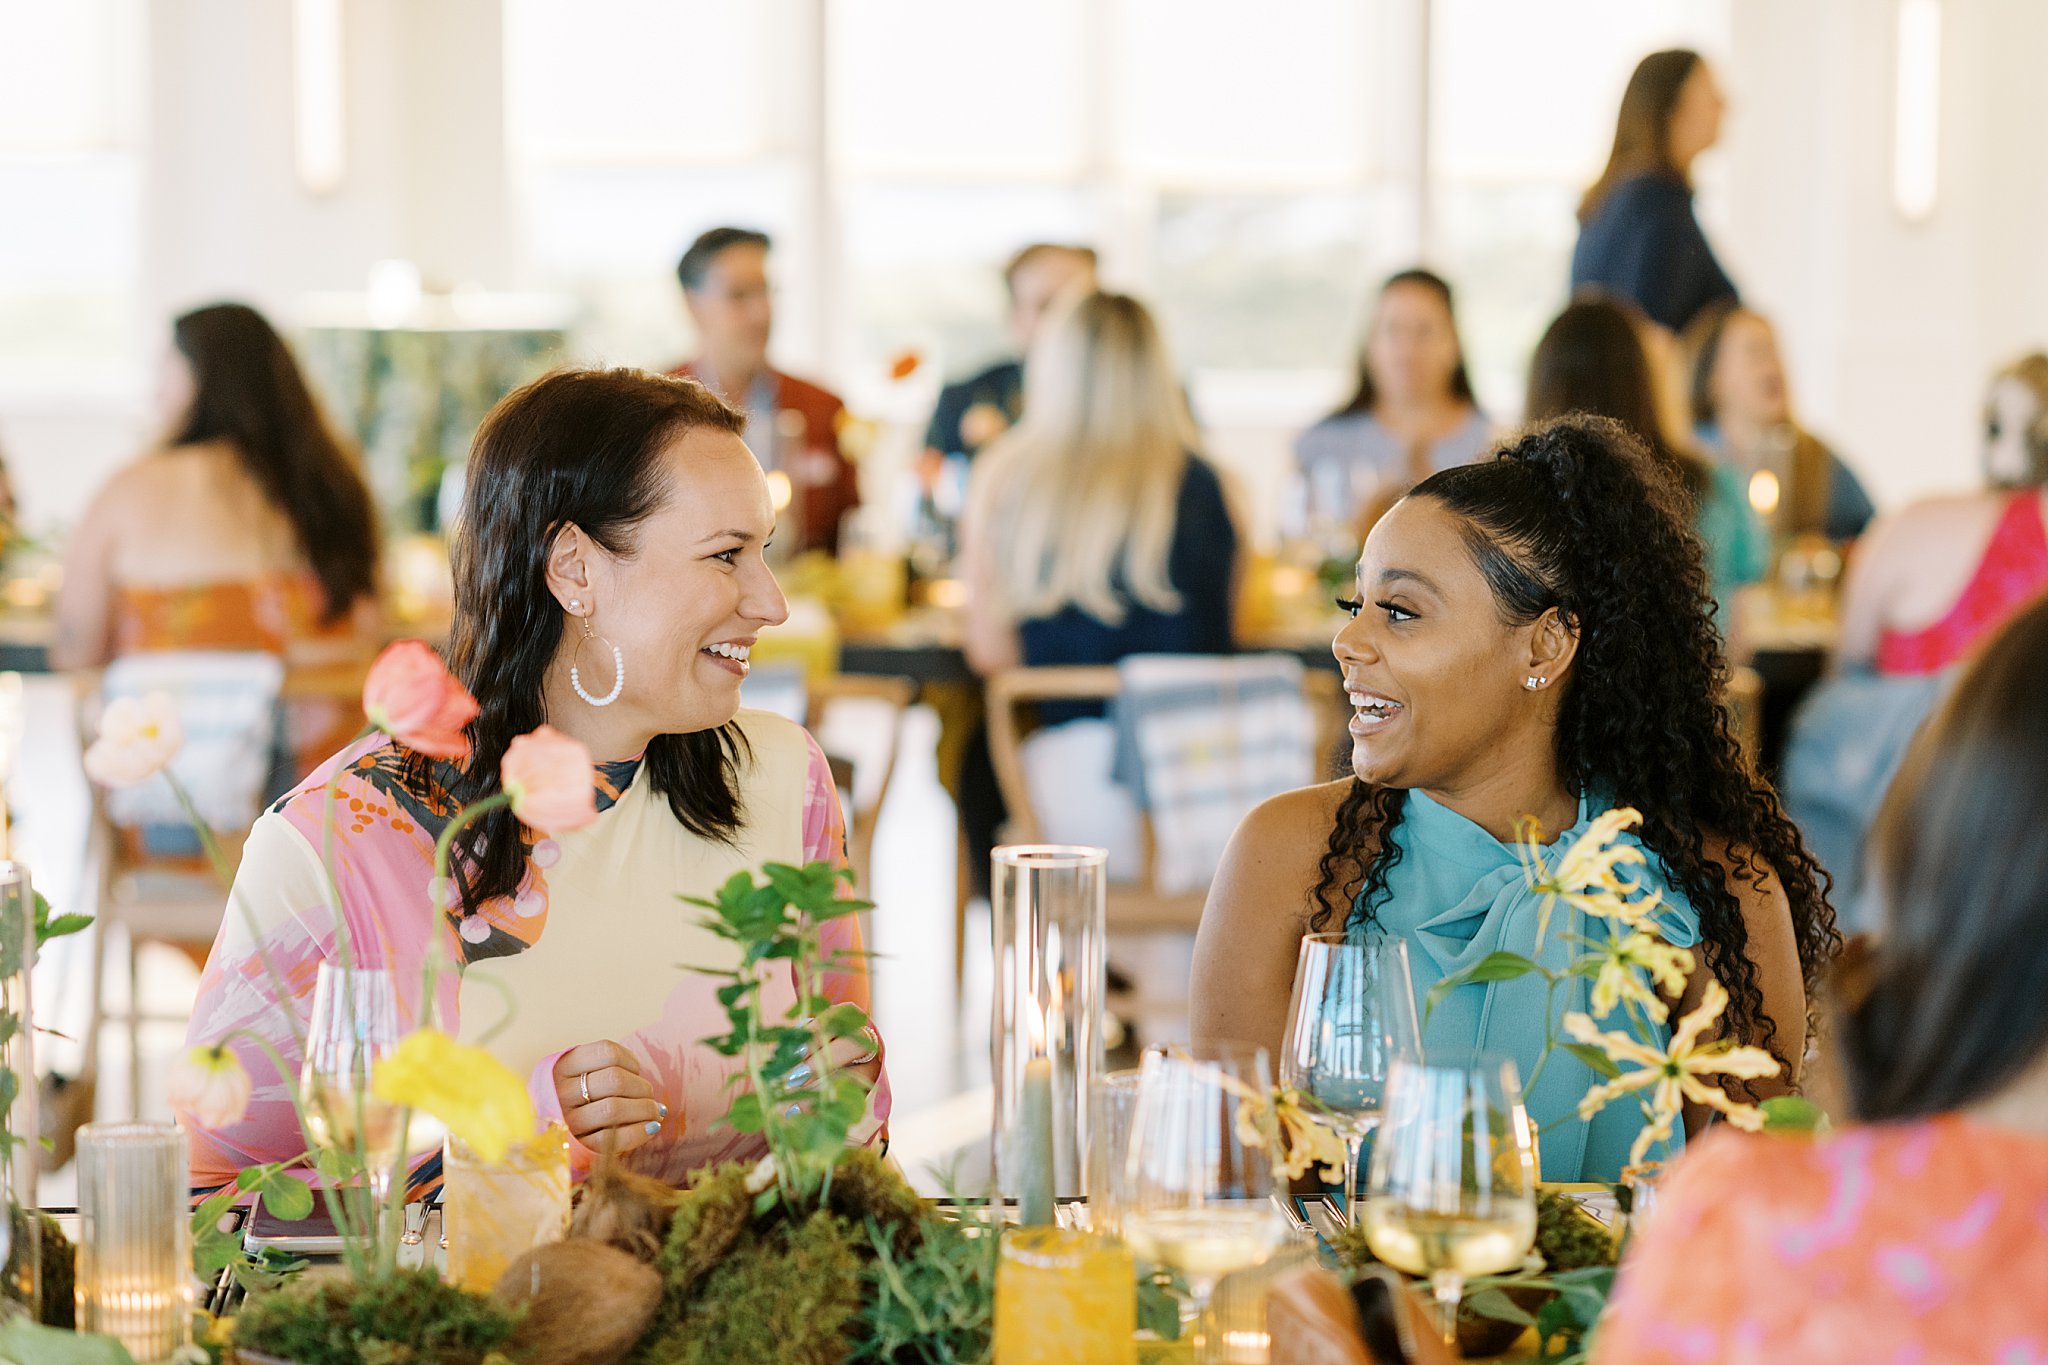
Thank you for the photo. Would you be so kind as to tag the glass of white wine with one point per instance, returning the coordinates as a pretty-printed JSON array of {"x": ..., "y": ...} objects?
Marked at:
[
  {"x": 1453, "y": 1186},
  {"x": 1352, "y": 1017},
  {"x": 1198, "y": 1197},
  {"x": 354, "y": 1024}
]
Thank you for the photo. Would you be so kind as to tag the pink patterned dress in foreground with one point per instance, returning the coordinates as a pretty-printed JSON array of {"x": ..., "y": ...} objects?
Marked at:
[
  {"x": 1889, "y": 1244},
  {"x": 594, "y": 945}
]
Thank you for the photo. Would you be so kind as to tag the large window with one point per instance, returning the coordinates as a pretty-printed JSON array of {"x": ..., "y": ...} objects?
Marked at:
[
  {"x": 68, "y": 184},
  {"x": 1253, "y": 172}
]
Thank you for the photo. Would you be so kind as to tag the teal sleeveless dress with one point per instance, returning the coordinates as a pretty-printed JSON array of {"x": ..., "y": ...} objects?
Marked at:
[{"x": 1457, "y": 894}]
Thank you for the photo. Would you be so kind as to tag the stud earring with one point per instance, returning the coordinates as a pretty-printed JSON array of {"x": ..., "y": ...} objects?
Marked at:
[
  {"x": 618, "y": 666},
  {"x": 1533, "y": 682}
]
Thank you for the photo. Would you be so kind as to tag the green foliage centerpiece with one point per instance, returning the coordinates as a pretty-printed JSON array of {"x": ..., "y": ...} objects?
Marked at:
[{"x": 818, "y": 1254}]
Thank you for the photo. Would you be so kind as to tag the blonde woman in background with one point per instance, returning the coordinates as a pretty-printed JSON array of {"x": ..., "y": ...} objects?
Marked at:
[{"x": 1094, "y": 528}]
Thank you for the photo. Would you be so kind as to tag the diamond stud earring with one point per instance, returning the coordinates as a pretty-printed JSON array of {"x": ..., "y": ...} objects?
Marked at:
[{"x": 1533, "y": 682}]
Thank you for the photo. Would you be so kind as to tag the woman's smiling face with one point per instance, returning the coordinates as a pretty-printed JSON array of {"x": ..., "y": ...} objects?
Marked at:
[
  {"x": 686, "y": 605},
  {"x": 1437, "y": 677}
]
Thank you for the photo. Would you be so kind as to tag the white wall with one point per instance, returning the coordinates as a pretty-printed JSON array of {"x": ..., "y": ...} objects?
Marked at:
[{"x": 1893, "y": 326}]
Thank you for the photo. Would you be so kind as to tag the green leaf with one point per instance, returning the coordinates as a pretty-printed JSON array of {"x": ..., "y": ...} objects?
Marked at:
[
  {"x": 1793, "y": 1114},
  {"x": 1491, "y": 1303},
  {"x": 844, "y": 1021},
  {"x": 287, "y": 1196},
  {"x": 23, "y": 1340},
  {"x": 745, "y": 1114},
  {"x": 1492, "y": 967},
  {"x": 1600, "y": 1062}
]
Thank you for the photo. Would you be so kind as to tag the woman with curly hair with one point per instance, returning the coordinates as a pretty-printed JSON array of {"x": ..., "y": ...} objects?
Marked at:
[{"x": 1534, "y": 637}]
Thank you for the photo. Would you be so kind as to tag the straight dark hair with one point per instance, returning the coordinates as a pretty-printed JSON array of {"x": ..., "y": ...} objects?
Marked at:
[
  {"x": 1367, "y": 394},
  {"x": 1642, "y": 129},
  {"x": 249, "y": 395},
  {"x": 1591, "y": 360},
  {"x": 580, "y": 447},
  {"x": 1953, "y": 1002}
]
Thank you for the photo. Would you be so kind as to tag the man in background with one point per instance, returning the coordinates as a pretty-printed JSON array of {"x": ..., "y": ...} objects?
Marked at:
[
  {"x": 792, "y": 425},
  {"x": 975, "y": 411}
]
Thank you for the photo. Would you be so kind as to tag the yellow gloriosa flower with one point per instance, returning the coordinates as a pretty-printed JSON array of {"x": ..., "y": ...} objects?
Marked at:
[
  {"x": 1622, "y": 956},
  {"x": 481, "y": 1100},
  {"x": 1299, "y": 1139},
  {"x": 1673, "y": 1075},
  {"x": 1588, "y": 875}
]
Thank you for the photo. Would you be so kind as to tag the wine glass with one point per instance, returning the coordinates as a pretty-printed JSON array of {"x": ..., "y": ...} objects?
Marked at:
[
  {"x": 1351, "y": 1018},
  {"x": 354, "y": 1025},
  {"x": 1453, "y": 1186},
  {"x": 1199, "y": 1197}
]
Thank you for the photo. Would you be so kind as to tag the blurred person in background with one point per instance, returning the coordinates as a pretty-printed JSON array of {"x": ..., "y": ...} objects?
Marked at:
[
  {"x": 1095, "y": 529},
  {"x": 792, "y": 424},
  {"x": 1412, "y": 413},
  {"x": 1638, "y": 235},
  {"x": 249, "y": 527},
  {"x": 1594, "y": 359},
  {"x": 975, "y": 411},
  {"x": 1928, "y": 584},
  {"x": 1932, "y": 580},
  {"x": 1741, "y": 409}
]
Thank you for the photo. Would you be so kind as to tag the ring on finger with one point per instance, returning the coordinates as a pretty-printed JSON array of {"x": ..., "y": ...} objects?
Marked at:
[{"x": 583, "y": 1081}]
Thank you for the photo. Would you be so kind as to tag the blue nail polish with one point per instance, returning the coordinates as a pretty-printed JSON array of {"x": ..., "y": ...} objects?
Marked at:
[
  {"x": 652, "y": 1127},
  {"x": 662, "y": 1107}
]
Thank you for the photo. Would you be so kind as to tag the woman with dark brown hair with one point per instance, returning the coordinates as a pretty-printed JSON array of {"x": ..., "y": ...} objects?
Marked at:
[
  {"x": 1741, "y": 409},
  {"x": 249, "y": 528},
  {"x": 1596, "y": 358},
  {"x": 1638, "y": 236},
  {"x": 1914, "y": 1231},
  {"x": 1412, "y": 413},
  {"x": 610, "y": 582}
]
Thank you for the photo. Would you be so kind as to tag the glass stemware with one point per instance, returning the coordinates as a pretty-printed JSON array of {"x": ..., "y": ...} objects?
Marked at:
[
  {"x": 354, "y": 1024},
  {"x": 1200, "y": 1183},
  {"x": 1453, "y": 1186},
  {"x": 1352, "y": 1017}
]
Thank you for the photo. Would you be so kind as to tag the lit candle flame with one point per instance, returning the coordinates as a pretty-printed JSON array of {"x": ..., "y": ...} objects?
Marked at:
[{"x": 1763, "y": 492}]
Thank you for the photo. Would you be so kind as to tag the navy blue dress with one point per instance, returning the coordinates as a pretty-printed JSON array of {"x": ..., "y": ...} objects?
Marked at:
[
  {"x": 1199, "y": 568},
  {"x": 1645, "y": 245}
]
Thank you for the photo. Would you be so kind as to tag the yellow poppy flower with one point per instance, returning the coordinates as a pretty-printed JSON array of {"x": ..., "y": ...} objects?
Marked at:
[
  {"x": 481, "y": 1100},
  {"x": 1621, "y": 956},
  {"x": 1673, "y": 1075}
]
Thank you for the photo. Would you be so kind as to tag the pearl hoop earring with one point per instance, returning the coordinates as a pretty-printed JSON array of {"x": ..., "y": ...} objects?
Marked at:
[{"x": 618, "y": 666}]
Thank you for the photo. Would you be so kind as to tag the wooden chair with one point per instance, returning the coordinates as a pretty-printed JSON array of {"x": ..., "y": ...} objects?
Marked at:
[
  {"x": 1137, "y": 906},
  {"x": 887, "y": 698}
]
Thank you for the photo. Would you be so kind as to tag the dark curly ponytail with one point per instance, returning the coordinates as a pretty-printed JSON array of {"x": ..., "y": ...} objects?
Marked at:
[{"x": 1573, "y": 514}]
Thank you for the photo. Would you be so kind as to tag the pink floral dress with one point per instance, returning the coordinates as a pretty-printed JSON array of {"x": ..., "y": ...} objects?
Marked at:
[
  {"x": 593, "y": 945},
  {"x": 1907, "y": 1244}
]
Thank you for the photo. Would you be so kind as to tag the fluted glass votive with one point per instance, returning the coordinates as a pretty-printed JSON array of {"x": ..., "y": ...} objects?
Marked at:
[
  {"x": 135, "y": 1239},
  {"x": 494, "y": 1212}
]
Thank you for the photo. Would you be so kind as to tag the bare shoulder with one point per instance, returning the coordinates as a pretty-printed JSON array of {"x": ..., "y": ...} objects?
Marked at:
[{"x": 1274, "y": 858}]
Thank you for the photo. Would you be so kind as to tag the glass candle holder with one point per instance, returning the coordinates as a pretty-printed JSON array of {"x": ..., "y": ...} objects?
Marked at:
[
  {"x": 494, "y": 1211},
  {"x": 1235, "y": 1330},
  {"x": 1047, "y": 903},
  {"x": 135, "y": 1239},
  {"x": 1064, "y": 1298},
  {"x": 20, "y": 1238}
]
